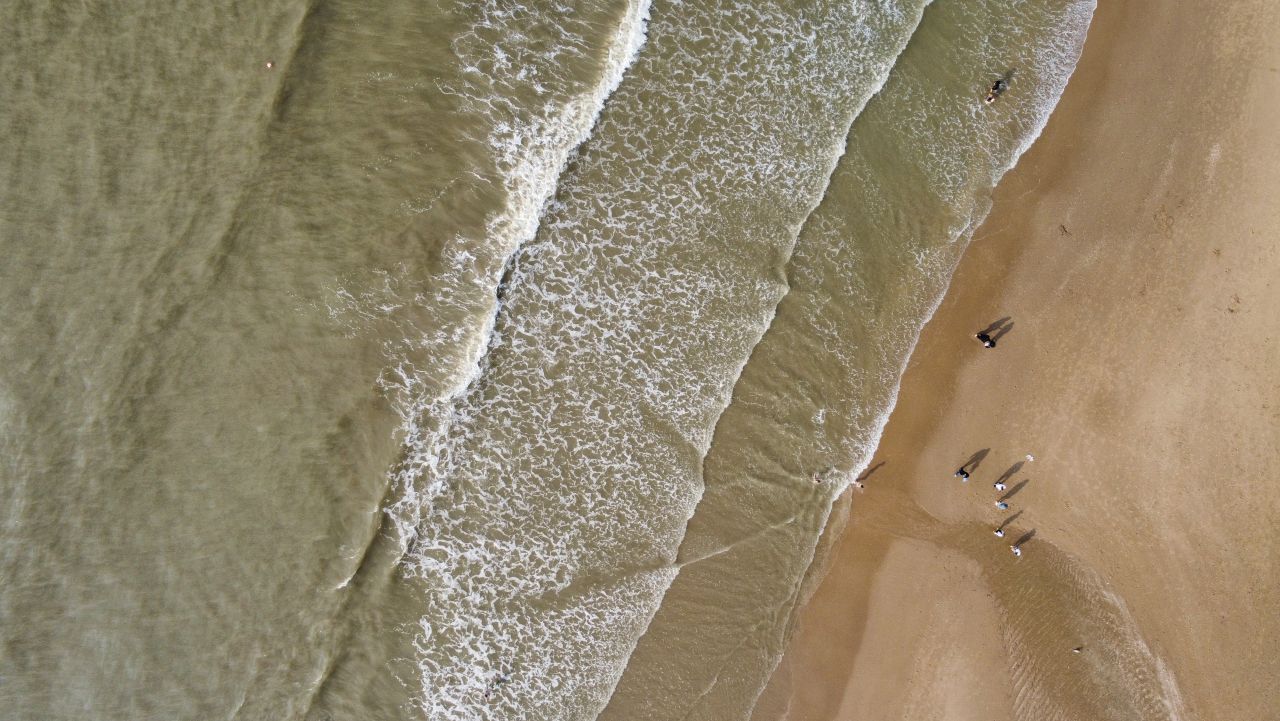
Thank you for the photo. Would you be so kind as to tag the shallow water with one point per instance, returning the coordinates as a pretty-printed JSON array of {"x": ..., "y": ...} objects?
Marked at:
[{"x": 383, "y": 381}]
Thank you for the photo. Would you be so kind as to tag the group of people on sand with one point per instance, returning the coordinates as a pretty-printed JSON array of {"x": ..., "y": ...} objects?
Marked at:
[
  {"x": 988, "y": 341},
  {"x": 963, "y": 474}
]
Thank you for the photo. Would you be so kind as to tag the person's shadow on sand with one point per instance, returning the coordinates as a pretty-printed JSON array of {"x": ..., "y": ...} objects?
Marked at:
[
  {"x": 997, "y": 330},
  {"x": 1017, "y": 487},
  {"x": 867, "y": 473},
  {"x": 1010, "y": 473},
  {"x": 995, "y": 325},
  {"x": 971, "y": 465},
  {"x": 1005, "y": 523}
]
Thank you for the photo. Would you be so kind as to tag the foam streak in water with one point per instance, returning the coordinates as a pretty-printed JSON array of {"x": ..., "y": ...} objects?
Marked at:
[
  {"x": 532, "y": 152},
  {"x": 561, "y": 484}
]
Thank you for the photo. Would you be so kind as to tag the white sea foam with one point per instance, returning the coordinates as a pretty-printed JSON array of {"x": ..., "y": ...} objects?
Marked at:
[
  {"x": 621, "y": 333},
  {"x": 532, "y": 150},
  {"x": 520, "y": 520}
]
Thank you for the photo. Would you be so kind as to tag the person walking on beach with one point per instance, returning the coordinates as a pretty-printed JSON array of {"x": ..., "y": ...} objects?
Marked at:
[
  {"x": 1002, "y": 505},
  {"x": 987, "y": 340},
  {"x": 962, "y": 474},
  {"x": 1017, "y": 550},
  {"x": 998, "y": 485},
  {"x": 999, "y": 533}
]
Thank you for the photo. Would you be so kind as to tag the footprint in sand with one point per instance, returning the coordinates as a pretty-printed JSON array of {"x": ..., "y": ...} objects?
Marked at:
[{"x": 1164, "y": 221}]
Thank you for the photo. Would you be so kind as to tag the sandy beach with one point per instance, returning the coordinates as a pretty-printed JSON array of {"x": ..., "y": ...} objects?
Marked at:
[{"x": 1132, "y": 409}]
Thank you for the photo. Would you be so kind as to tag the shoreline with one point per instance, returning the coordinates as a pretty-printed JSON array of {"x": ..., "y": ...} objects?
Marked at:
[{"x": 1137, "y": 227}]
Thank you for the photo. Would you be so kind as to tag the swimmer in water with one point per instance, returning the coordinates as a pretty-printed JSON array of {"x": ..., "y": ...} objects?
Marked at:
[{"x": 997, "y": 89}]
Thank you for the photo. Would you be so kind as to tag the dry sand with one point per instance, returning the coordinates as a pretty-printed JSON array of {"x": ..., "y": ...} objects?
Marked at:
[{"x": 1136, "y": 249}]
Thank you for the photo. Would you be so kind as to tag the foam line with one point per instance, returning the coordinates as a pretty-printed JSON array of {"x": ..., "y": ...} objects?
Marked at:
[
  {"x": 531, "y": 180},
  {"x": 882, "y": 71}
]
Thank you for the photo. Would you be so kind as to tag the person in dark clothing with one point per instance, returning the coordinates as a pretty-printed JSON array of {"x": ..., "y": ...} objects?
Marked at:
[
  {"x": 987, "y": 340},
  {"x": 997, "y": 89}
]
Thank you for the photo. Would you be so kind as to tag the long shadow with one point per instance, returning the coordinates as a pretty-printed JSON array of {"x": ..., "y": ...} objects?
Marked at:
[
  {"x": 1025, "y": 537},
  {"x": 1010, "y": 519},
  {"x": 995, "y": 326},
  {"x": 1017, "y": 487},
  {"x": 1001, "y": 333},
  {"x": 1009, "y": 473},
  {"x": 971, "y": 465},
  {"x": 867, "y": 473}
]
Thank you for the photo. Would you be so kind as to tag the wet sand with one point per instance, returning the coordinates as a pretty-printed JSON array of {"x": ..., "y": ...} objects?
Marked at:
[{"x": 1134, "y": 250}]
